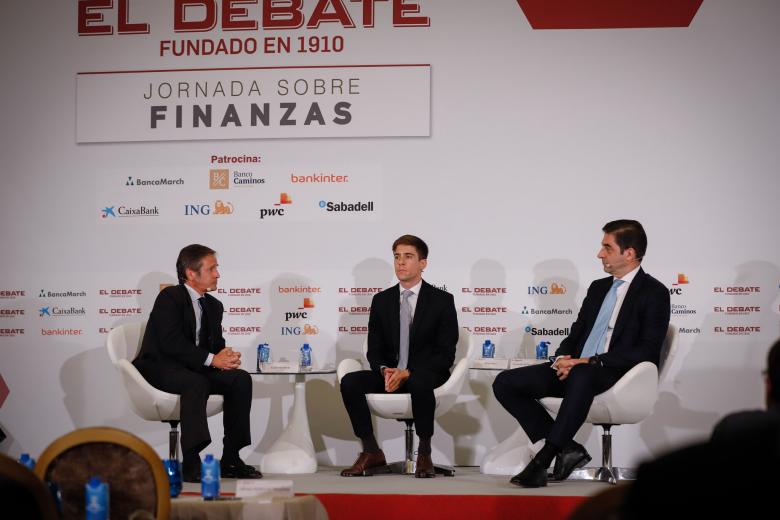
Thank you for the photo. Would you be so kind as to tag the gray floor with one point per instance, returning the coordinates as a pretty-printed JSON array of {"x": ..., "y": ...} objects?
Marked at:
[{"x": 467, "y": 481}]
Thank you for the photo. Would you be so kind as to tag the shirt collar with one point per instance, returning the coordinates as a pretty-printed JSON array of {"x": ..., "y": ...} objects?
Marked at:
[
  {"x": 193, "y": 293},
  {"x": 629, "y": 277},
  {"x": 415, "y": 289}
]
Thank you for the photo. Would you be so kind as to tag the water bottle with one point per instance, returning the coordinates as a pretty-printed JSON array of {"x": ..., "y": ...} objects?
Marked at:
[
  {"x": 541, "y": 350},
  {"x": 26, "y": 460},
  {"x": 263, "y": 355},
  {"x": 173, "y": 469},
  {"x": 209, "y": 478},
  {"x": 305, "y": 358},
  {"x": 96, "y": 499},
  {"x": 488, "y": 349}
]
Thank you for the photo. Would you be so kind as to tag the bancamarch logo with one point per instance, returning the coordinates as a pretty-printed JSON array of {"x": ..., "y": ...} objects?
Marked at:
[
  {"x": 550, "y": 311},
  {"x": 129, "y": 211},
  {"x": 120, "y": 293},
  {"x": 306, "y": 330},
  {"x": 56, "y": 312},
  {"x": 240, "y": 291},
  {"x": 119, "y": 312},
  {"x": 241, "y": 331},
  {"x": 11, "y": 333},
  {"x": 151, "y": 183},
  {"x": 12, "y": 294},
  {"x": 347, "y": 207},
  {"x": 484, "y": 311},
  {"x": 11, "y": 313},
  {"x": 357, "y": 329},
  {"x": 558, "y": 331},
  {"x": 61, "y": 294},
  {"x": 243, "y": 311}
]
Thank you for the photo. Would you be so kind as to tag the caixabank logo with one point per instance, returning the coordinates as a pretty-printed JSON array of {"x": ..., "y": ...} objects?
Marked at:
[
  {"x": 240, "y": 292},
  {"x": 138, "y": 182},
  {"x": 112, "y": 212},
  {"x": 61, "y": 312},
  {"x": 12, "y": 294},
  {"x": 608, "y": 14}
]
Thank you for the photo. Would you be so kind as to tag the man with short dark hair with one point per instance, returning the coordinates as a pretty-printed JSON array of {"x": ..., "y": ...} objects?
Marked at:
[
  {"x": 412, "y": 334},
  {"x": 183, "y": 352},
  {"x": 622, "y": 322}
]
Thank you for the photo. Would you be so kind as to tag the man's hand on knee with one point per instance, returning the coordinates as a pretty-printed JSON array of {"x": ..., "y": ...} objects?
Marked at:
[
  {"x": 226, "y": 359},
  {"x": 394, "y": 378}
]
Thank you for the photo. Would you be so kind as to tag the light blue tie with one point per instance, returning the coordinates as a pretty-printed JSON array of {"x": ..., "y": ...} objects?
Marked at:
[
  {"x": 595, "y": 342},
  {"x": 406, "y": 322}
]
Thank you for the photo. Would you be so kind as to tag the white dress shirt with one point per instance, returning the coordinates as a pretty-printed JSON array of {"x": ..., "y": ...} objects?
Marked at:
[
  {"x": 621, "y": 295},
  {"x": 198, "y": 313}
]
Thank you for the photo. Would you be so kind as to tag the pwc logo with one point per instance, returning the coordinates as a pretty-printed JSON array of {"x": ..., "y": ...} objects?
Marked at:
[
  {"x": 276, "y": 211},
  {"x": 608, "y": 14},
  {"x": 308, "y": 303},
  {"x": 676, "y": 288}
]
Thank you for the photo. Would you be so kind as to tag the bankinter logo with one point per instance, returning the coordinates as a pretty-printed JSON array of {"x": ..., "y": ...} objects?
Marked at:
[{"x": 218, "y": 179}]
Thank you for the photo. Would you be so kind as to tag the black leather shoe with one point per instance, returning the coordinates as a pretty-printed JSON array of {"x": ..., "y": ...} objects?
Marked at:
[
  {"x": 239, "y": 470},
  {"x": 568, "y": 460},
  {"x": 533, "y": 476}
]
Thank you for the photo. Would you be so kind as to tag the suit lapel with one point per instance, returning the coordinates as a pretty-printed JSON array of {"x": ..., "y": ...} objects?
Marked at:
[
  {"x": 395, "y": 317},
  {"x": 628, "y": 302}
]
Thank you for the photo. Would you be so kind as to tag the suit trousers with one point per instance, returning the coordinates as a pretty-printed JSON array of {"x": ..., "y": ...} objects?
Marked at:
[
  {"x": 420, "y": 386},
  {"x": 194, "y": 387},
  {"x": 518, "y": 391}
]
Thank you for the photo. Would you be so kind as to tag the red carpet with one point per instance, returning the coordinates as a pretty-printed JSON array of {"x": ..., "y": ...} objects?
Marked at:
[{"x": 450, "y": 507}]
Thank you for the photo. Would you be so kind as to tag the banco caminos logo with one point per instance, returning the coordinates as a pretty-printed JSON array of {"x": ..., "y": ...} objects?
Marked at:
[
  {"x": 219, "y": 179},
  {"x": 608, "y": 14}
]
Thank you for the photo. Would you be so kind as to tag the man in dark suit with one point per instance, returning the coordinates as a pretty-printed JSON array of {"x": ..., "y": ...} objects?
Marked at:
[
  {"x": 183, "y": 352},
  {"x": 622, "y": 322},
  {"x": 412, "y": 334}
]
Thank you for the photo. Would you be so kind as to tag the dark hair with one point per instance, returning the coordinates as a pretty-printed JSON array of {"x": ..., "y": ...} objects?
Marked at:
[
  {"x": 628, "y": 233},
  {"x": 191, "y": 257},
  {"x": 415, "y": 242},
  {"x": 773, "y": 372}
]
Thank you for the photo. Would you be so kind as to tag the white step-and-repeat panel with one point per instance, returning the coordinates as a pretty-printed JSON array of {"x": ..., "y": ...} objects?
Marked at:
[{"x": 299, "y": 139}]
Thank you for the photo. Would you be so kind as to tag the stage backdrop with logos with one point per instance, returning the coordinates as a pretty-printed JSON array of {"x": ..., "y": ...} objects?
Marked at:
[{"x": 299, "y": 139}]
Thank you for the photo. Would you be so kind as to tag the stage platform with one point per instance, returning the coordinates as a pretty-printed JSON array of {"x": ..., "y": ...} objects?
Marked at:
[{"x": 468, "y": 495}]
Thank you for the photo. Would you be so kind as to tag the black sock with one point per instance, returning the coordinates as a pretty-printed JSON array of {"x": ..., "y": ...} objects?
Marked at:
[
  {"x": 547, "y": 454},
  {"x": 424, "y": 448},
  {"x": 370, "y": 445},
  {"x": 191, "y": 461}
]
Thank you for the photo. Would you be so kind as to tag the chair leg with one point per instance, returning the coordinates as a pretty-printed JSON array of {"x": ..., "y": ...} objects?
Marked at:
[
  {"x": 173, "y": 440},
  {"x": 607, "y": 472}
]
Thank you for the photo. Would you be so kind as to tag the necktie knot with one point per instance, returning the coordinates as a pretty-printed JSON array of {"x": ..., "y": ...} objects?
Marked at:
[
  {"x": 617, "y": 282},
  {"x": 406, "y": 294}
]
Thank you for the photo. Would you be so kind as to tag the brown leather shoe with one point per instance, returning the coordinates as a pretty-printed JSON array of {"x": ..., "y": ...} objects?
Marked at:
[
  {"x": 365, "y": 461},
  {"x": 424, "y": 468}
]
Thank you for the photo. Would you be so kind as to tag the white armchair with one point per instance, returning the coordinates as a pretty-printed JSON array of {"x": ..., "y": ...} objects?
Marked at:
[
  {"x": 148, "y": 402},
  {"x": 399, "y": 406},
  {"x": 629, "y": 401}
]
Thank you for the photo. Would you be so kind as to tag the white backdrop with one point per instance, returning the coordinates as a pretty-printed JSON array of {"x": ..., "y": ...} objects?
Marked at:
[{"x": 524, "y": 143}]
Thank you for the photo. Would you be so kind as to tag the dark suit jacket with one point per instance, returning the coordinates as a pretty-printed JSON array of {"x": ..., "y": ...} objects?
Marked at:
[
  {"x": 170, "y": 332},
  {"x": 640, "y": 328},
  {"x": 432, "y": 338}
]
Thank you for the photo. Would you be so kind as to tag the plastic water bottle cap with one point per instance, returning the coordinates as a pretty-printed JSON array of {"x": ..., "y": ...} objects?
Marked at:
[
  {"x": 209, "y": 458},
  {"x": 24, "y": 457},
  {"x": 306, "y": 346},
  {"x": 94, "y": 481}
]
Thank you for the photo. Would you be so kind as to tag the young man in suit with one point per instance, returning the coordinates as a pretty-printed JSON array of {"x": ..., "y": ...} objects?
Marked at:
[
  {"x": 412, "y": 334},
  {"x": 622, "y": 322},
  {"x": 183, "y": 352}
]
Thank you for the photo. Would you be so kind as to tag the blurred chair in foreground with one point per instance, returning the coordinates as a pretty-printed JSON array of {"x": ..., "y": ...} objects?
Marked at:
[{"x": 23, "y": 494}]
